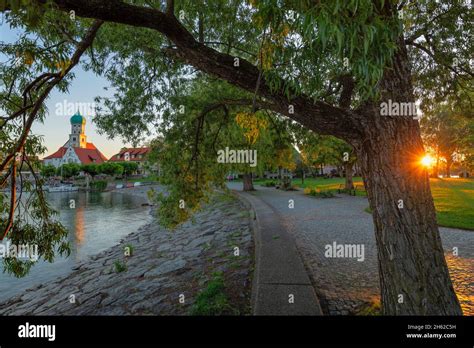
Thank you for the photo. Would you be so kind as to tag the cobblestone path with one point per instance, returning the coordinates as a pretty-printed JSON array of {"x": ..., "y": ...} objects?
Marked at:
[{"x": 344, "y": 285}]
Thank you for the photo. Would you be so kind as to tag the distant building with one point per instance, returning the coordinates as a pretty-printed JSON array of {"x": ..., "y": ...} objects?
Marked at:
[
  {"x": 138, "y": 155},
  {"x": 77, "y": 149}
]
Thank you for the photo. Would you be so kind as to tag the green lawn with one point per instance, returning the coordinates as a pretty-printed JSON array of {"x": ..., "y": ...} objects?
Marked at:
[
  {"x": 454, "y": 197},
  {"x": 332, "y": 184},
  {"x": 454, "y": 201}
]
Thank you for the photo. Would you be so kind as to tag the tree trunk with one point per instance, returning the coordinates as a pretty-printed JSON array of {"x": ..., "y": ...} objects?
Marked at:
[
  {"x": 414, "y": 277},
  {"x": 248, "y": 182},
  {"x": 449, "y": 163},
  {"x": 349, "y": 185},
  {"x": 280, "y": 177},
  {"x": 436, "y": 167}
]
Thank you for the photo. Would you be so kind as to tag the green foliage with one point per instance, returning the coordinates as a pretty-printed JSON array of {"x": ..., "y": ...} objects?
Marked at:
[
  {"x": 319, "y": 150},
  {"x": 120, "y": 267},
  {"x": 111, "y": 168},
  {"x": 213, "y": 300},
  {"x": 449, "y": 133},
  {"x": 34, "y": 222},
  {"x": 36, "y": 228},
  {"x": 48, "y": 171},
  {"x": 442, "y": 58},
  {"x": 361, "y": 31},
  {"x": 317, "y": 192},
  {"x": 299, "y": 46},
  {"x": 91, "y": 169},
  {"x": 68, "y": 170},
  {"x": 188, "y": 150},
  {"x": 129, "y": 248},
  {"x": 454, "y": 199},
  {"x": 99, "y": 185},
  {"x": 129, "y": 168}
]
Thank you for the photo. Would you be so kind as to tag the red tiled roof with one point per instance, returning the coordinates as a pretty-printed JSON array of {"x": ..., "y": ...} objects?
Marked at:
[
  {"x": 90, "y": 146},
  {"x": 58, "y": 154},
  {"x": 86, "y": 155},
  {"x": 90, "y": 155},
  {"x": 133, "y": 151}
]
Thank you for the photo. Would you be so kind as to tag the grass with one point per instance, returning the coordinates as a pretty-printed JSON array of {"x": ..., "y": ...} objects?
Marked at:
[
  {"x": 454, "y": 202},
  {"x": 128, "y": 250},
  {"x": 213, "y": 300},
  {"x": 326, "y": 185},
  {"x": 317, "y": 192},
  {"x": 120, "y": 266},
  {"x": 453, "y": 197}
]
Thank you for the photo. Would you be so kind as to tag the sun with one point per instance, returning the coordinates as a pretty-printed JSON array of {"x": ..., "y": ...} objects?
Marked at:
[{"x": 427, "y": 161}]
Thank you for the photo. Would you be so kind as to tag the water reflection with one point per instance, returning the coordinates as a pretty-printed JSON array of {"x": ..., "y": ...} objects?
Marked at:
[
  {"x": 95, "y": 222},
  {"x": 79, "y": 227}
]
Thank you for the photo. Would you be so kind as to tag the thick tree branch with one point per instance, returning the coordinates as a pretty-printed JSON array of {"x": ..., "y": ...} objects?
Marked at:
[
  {"x": 83, "y": 45},
  {"x": 170, "y": 7},
  {"x": 437, "y": 60},
  {"x": 11, "y": 213},
  {"x": 348, "y": 86},
  {"x": 318, "y": 116}
]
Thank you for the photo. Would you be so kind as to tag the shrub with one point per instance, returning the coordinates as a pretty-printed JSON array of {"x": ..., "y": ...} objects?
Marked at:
[
  {"x": 128, "y": 250},
  {"x": 68, "y": 170},
  {"x": 99, "y": 185},
  {"x": 120, "y": 266},
  {"x": 317, "y": 192},
  {"x": 269, "y": 183},
  {"x": 48, "y": 170},
  {"x": 110, "y": 168},
  {"x": 213, "y": 300},
  {"x": 91, "y": 168}
]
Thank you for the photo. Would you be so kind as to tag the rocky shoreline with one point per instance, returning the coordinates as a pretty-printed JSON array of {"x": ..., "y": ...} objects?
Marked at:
[{"x": 194, "y": 269}]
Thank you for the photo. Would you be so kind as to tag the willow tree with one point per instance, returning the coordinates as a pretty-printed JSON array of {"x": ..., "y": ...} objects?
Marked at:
[
  {"x": 328, "y": 65},
  {"x": 204, "y": 136}
]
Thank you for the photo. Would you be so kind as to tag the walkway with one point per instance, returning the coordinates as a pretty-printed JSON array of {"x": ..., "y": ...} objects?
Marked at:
[{"x": 344, "y": 284}]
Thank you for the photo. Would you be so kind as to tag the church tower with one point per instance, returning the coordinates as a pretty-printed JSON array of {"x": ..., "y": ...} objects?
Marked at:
[{"x": 77, "y": 138}]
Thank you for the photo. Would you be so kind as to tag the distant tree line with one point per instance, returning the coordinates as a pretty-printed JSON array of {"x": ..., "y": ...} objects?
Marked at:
[{"x": 69, "y": 170}]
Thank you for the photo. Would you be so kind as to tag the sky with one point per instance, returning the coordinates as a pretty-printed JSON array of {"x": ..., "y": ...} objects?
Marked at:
[{"x": 56, "y": 127}]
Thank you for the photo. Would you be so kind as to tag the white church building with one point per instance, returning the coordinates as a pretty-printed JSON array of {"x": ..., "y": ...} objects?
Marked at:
[{"x": 76, "y": 149}]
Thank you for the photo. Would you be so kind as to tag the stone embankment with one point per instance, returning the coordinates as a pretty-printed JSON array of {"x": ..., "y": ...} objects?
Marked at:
[{"x": 163, "y": 276}]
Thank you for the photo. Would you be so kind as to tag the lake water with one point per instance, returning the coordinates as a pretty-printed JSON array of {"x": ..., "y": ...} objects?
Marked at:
[{"x": 99, "y": 221}]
